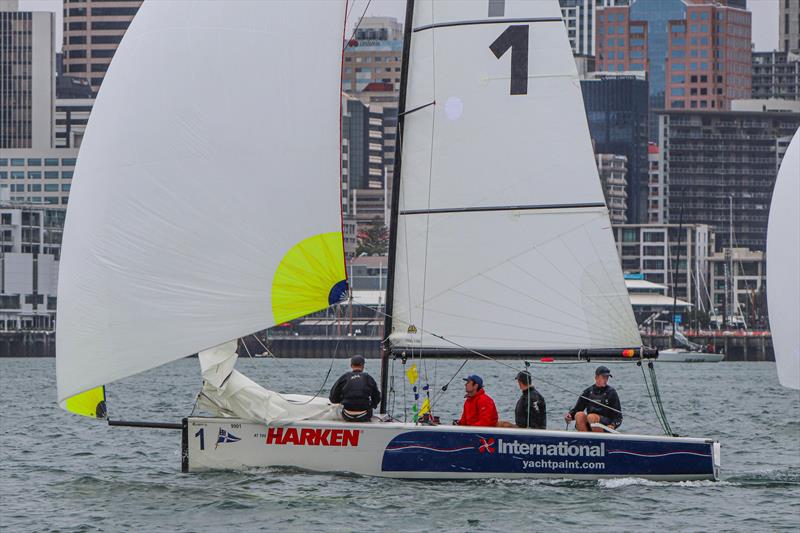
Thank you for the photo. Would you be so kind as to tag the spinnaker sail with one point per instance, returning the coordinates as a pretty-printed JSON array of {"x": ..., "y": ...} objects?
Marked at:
[
  {"x": 183, "y": 229},
  {"x": 783, "y": 267}
]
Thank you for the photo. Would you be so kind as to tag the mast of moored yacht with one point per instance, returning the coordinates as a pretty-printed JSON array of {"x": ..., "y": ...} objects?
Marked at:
[{"x": 401, "y": 107}]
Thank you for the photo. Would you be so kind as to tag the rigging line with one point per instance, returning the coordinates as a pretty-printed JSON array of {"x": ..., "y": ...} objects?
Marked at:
[
  {"x": 654, "y": 379},
  {"x": 476, "y": 352},
  {"x": 246, "y": 348},
  {"x": 650, "y": 396},
  {"x": 266, "y": 350},
  {"x": 534, "y": 247},
  {"x": 499, "y": 362},
  {"x": 430, "y": 188},
  {"x": 322, "y": 387},
  {"x": 360, "y": 19},
  {"x": 446, "y": 385}
]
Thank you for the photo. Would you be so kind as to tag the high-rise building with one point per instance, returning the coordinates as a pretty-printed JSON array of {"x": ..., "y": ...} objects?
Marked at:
[
  {"x": 776, "y": 75},
  {"x": 92, "y": 31},
  {"x": 658, "y": 192},
  {"x": 612, "y": 169},
  {"x": 373, "y": 55},
  {"x": 696, "y": 53},
  {"x": 579, "y": 18},
  {"x": 721, "y": 169},
  {"x": 72, "y": 116},
  {"x": 27, "y": 87},
  {"x": 355, "y": 129},
  {"x": 617, "y": 112},
  {"x": 789, "y": 21}
]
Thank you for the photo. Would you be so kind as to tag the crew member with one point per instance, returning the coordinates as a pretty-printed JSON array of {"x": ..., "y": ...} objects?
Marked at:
[
  {"x": 531, "y": 410},
  {"x": 598, "y": 403},
  {"x": 357, "y": 392},
  {"x": 479, "y": 408}
]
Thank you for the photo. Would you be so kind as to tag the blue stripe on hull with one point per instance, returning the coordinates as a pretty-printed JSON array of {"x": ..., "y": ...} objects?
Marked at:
[{"x": 428, "y": 451}]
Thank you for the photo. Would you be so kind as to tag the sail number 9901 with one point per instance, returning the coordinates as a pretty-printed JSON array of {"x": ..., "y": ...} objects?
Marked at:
[{"x": 516, "y": 38}]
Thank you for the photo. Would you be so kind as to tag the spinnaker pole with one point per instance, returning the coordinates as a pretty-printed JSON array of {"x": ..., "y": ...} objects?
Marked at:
[{"x": 395, "y": 208}]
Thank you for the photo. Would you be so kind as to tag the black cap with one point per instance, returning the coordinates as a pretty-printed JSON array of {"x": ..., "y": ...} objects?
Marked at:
[
  {"x": 525, "y": 377},
  {"x": 603, "y": 371},
  {"x": 357, "y": 360}
]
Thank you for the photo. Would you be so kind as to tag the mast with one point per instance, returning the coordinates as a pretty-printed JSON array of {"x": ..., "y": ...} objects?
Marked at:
[
  {"x": 675, "y": 274},
  {"x": 401, "y": 107}
]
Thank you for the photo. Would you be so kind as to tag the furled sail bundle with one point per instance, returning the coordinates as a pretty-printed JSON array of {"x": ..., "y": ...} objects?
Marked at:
[
  {"x": 183, "y": 230},
  {"x": 503, "y": 242},
  {"x": 783, "y": 267}
]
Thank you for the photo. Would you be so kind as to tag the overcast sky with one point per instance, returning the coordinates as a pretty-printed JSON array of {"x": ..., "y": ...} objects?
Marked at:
[{"x": 765, "y": 16}]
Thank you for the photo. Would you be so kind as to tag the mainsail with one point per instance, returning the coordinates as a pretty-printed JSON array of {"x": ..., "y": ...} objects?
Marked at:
[
  {"x": 783, "y": 267},
  {"x": 183, "y": 229},
  {"x": 503, "y": 241}
]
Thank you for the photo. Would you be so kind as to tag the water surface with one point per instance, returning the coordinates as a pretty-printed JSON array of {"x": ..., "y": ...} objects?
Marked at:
[{"x": 61, "y": 472}]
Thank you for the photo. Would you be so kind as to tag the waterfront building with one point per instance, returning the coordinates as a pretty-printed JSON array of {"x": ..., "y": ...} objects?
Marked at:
[
  {"x": 776, "y": 75},
  {"x": 696, "y": 53},
  {"x": 72, "y": 115},
  {"x": 42, "y": 176},
  {"x": 738, "y": 287},
  {"x": 382, "y": 99},
  {"x": 722, "y": 169},
  {"x": 612, "y": 169},
  {"x": 92, "y": 31},
  {"x": 27, "y": 87},
  {"x": 579, "y": 19},
  {"x": 30, "y": 246},
  {"x": 617, "y": 111},
  {"x": 789, "y": 21},
  {"x": 368, "y": 272},
  {"x": 652, "y": 251}
]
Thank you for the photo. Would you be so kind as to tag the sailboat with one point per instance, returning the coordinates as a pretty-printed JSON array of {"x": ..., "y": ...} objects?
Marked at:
[
  {"x": 206, "y": 203},
  {"x": 783, "y": 265}
]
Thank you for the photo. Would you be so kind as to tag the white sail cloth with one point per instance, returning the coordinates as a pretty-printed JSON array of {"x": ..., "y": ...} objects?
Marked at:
[
  {"x": 215, "y": 122},
  {"x": 503, "y": 237},
  {"x": 227, "y": 392},
  {"x": 783, "y": 267}
]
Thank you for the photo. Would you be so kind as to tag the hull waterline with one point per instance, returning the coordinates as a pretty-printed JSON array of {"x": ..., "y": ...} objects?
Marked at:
[{"x": 686, "y": 356}]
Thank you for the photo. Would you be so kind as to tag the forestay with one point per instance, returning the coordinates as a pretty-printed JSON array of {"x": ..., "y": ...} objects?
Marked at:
[
  {"x": 503, "y": 236},
  {"x": 184, "y": 230},
  {"x": 783, "y": 267}
]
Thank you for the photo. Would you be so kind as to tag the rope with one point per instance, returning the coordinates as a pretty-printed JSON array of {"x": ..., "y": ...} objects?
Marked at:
[{"x": 663, "y": 413}]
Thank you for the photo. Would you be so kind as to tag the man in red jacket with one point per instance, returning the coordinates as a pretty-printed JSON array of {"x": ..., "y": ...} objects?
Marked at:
[{"x": 479, "y": 408}]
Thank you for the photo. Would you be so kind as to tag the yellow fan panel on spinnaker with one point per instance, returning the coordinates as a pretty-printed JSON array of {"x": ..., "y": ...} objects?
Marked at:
[
  {"x": 311, "y": 276},
  {"x": 91, "y": 403}
]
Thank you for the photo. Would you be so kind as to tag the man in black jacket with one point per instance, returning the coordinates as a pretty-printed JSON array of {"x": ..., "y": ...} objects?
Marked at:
[
  {"x": 597, "y": 404},
  {"x": 531, "y": 409},
  {"x": 357, "y": 392}
]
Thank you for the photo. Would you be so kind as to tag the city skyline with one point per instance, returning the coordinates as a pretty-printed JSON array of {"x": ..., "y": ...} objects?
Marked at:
[{"x": 765, "y": 17}]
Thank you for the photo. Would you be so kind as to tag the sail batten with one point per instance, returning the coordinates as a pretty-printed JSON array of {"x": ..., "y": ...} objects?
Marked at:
[
  {"x": 180, "y": 234},
  {"x": 503, "y": 238}
]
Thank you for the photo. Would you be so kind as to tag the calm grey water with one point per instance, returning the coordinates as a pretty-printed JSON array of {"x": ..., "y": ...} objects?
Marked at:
[{"x": 60, "y": 472}]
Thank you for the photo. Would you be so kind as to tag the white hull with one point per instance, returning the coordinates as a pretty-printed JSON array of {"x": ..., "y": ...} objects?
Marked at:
[
  {"x": 410, "y": 451},
  {"x": 674, "y": 355}
]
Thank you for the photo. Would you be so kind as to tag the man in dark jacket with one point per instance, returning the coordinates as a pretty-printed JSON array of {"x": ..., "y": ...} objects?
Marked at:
[
  {"x": 597, "y": 404},
  {"x": 357, "y": 392},
  {"x": 531, "y": 410}
]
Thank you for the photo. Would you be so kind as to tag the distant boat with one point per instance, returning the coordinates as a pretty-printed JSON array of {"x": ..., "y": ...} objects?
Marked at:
[
  {"x": 685, "y": 351},
  {"x": 783, "y": 267},
  {"x": 216, "y": 209}
]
